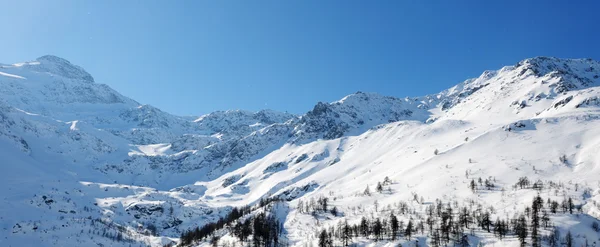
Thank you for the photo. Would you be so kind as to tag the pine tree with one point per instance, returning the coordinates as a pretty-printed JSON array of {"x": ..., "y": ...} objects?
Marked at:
[
  {"x": 367, "y": 191},
  {"x": 364, "y": 227},
  {"x": 379, "y": 187},
  {"x": 436, "y": 238},
  {"x": 323, "y": 203},
  {"x": 571, "y": 206},
  {"x": 565, "y": 205},
  {"x": 323, "y": 238},
  {"x": 486, "y": 221},
  {"x": 377, "y": 228},
  {"x": 545, "y": 219},
  {"x": 463, "y": 217},
  {"x": 300, "y": 206},
  {"x": 334, "y": 211},
  {"x": 554, "y": 207},
  {"x": 409, "y": 229},
  {"x": 346, "y": 233},
  {"x": 446, "y": 223},
  {"x": 394, "y": 226},
  {"x": 500, "y": 228},
  {"x": 596, "y": 226},
  {"x": 521, "y": 229},
  {"x": 569, "y": 239},
  {"x": 536, "y": 207}
]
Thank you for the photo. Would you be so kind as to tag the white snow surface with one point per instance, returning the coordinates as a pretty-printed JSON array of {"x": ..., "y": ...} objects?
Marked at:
[{"x": 79, "y": 160}]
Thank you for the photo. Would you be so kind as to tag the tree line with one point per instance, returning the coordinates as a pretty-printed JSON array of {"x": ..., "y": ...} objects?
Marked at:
[
  {"x": 264, "y": 228},
  {"x": 449, "y": 223}
]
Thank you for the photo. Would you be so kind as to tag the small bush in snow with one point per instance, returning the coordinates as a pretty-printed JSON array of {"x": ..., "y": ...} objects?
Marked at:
[{"x": 596, "y": 226}]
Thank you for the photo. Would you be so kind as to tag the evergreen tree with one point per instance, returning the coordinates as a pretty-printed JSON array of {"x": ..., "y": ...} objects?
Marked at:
[
  {"x": 379, "y": 187},
  {"x": 538, "y": 185},
  {"x": 464, "y": 217},
  {"x": 430, "y": 221},
  {"x": 334, "y": 211},
  {"x": 394, "y": 226},
  {"x": 523, "y": 182},
  {"x": 377, "y": 229},
  {"x": 323, "y": 238},
  {"x": 571, "y": 206},
  {"x": 367, "y": 191},
  {"x": 409, "y": 229},
  {"x": 323, "y": 203},
  {"x": 554, "y": 207},
  {"x": 436, "y": 238},
  {"x": 569, "y": 239},
  {"x": 546, "y": 219},
  {"x": 521, "y": 229},
  {"x": 565, "y": 205},
  {"x": 300, "y": 206},
  {"x": 486, "y": 221},
  {"x": 500, "y": 228},
  {"x": 364, "y": 227},
  {"x": 346, "y": 234},
  {"x": 536, "y": 207}
]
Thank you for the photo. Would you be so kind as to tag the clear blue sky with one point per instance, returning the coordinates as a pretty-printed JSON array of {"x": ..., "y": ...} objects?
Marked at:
[{"x": 194, "y": 57}]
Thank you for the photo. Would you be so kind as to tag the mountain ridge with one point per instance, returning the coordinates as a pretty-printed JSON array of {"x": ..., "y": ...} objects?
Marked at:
[
  {"x": 109, "y": 159},
  {"x": 224, "y": 138}
]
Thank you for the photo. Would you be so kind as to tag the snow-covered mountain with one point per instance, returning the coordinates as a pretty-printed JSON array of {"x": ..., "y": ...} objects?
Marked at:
[{"x": 84, "y": 165}]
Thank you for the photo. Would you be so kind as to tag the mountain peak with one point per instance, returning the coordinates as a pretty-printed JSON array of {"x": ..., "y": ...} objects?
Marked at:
[
  {"x": 60, "y": 66},
  {"x": 360, "y": 97},
  {"x": 53, "y": 59},
  {"x": 266, "y": 116},
  {"x": 544, "y": 65}
]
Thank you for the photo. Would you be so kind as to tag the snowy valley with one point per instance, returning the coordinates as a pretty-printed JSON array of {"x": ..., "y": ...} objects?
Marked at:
[{"x": 473, "y": 165}]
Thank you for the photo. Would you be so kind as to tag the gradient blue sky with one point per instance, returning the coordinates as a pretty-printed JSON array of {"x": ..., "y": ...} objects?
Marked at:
[{"x": 194, "y": 57}]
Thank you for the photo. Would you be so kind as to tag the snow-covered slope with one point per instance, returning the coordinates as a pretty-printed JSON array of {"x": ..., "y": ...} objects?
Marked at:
[{"x": 84, "y": 165}]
